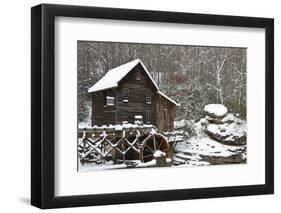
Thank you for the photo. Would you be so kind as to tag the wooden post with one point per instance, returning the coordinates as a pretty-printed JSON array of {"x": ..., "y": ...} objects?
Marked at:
[{"x": 160, "y": 158}]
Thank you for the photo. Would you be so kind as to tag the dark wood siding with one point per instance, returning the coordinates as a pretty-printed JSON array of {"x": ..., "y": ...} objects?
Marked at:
[
  {"x": 165, "y": 114},
  {"x": 138, "y": 84},
  {"x": 101, "y": 113}
]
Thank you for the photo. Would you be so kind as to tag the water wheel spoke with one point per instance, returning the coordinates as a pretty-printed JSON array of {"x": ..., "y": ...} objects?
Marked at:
[
  {"x": 160, "y": 144},
  {"x": 154, "y": 142},
  {"x": 146, "y": 145},
  {"x": 149, "y": 151},
  {"x": 147, "y": 156},
  {"x": 151, "y": 144}
]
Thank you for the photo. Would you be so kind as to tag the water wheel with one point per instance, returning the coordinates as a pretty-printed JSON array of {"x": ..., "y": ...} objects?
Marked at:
[{"x": 151, "y": 144}]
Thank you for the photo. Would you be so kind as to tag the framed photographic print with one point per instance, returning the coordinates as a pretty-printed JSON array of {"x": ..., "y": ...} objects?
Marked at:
[{"x": 140, "y": 106}]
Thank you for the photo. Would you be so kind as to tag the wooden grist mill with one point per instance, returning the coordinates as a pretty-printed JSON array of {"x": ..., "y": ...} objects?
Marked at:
[{"x": 127, "y": 145}]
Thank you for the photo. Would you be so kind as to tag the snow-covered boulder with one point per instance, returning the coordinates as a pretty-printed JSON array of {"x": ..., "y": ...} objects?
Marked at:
[
  {"x": 230, "y": 118},
  {"x": 213, "y": 120},
  {"x": 215, "y": 110},
  {"x": 233, "y": 133}
]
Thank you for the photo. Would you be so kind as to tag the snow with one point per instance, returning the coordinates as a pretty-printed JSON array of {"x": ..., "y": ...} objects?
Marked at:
[
  {"x": 138, "y": 119},
  {"x": 180, "y": 124},
  {"x": 113, "y": 76},
  {"x": 217, "y": 110},
  {"x": 153, "y": 131},
  {"x": 118, "y": 128},
  {"x": 176, "y": 138},
  {"x": 187, "y": 157},
  {"x": 122, "y": 126},
  {"x": 158, "y": 154},
  {"x": 86, "y": 123},
  {"x": 199, "y": 163},
  {"x": 229, "y": 118},
  {"x": 88, "y": 167},
  {"x": 184, "y": 160},
  {"x": 193, "y": 164},
  {"x": 139, "y": 122},
  {"x": 138, "y": 116},
  {"x": 207, "y": 147},
  {"x": 169, "y": 99},
  {"x": 147, "y": 164},
  {"x": 199, "y": 149},
  {"x": 229, "y": 131},
  {"x": 174, "y": 133},
  {"x": 215, "y": 129},
  {"x": 201, "y": 144}
]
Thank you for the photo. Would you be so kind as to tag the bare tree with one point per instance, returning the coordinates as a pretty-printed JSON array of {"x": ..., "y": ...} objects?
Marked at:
[
  {"x": 193, "y": 76},
  {"x": 218, "y": 76}
]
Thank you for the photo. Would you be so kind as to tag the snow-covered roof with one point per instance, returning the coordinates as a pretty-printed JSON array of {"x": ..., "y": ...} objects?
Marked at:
[
  {"x": 169, "y": 99},
  {"x": 115, "y": 75}
]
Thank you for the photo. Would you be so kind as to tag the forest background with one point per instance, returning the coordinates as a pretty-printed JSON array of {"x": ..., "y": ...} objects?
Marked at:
[{"x": 194, "y": 76}]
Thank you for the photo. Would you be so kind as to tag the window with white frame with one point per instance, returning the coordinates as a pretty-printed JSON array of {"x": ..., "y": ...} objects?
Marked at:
[
  {"x": 148, "y": 97},
  {"x": 110, "y": 101},
  {"x": 125, "y": 94}
]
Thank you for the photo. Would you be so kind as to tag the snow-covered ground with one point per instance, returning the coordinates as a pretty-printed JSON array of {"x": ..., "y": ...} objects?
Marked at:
[
  {"x": 87, "y": 167},
  {"x": 197, "y": 150},
  {"x": 201, "y": 149},
  {"x": 217, "y": 138}
]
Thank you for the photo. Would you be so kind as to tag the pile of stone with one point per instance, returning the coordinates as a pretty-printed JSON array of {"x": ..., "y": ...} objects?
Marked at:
[
  {"x": 224, "y": 127},
  {"x": 215, "y": 113}
]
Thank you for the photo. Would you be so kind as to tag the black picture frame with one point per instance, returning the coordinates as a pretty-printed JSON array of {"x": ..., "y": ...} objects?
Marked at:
[{"x": 43, "y": 117}]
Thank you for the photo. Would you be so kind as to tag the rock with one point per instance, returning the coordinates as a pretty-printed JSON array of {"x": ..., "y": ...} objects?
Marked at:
[
  {"x": 177, "y": 163},
  {"x": 230, "y": 118},
  {"x": 203, "y": 122},
  {"x": 216, "y": 132},
  {"x": 215, "y": 110},
  {"x": 231, "y": 134},
  {"x": 213, "y": 120},
  {"x": 237, "y": 140},
  {"x": 218, "y": 160}
]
